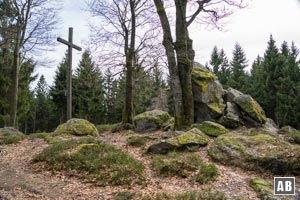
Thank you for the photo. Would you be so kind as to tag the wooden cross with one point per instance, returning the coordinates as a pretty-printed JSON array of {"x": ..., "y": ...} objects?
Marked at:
[{"x": 69, "y": 70}]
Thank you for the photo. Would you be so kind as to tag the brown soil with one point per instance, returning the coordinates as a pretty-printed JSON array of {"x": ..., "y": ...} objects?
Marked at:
[{"x": 21, "y": 179}]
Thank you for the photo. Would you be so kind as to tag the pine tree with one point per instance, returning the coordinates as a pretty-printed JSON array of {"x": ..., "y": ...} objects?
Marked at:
[
  {"x": 238, "y": 78},
  {"x": 88, "y": 93}
]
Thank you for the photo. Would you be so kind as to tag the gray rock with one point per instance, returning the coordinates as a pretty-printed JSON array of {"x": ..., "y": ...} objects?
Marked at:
[
  {"x": 231, "y": 119},
  {"x": 150, "y": 120},
  {"x": 248, "y": 105},
  {"x": 191, "y": 138},
  {"x": 208, "y": 95},
  {"x": 257, "y": 151},
  {"x": 231, "y": 94}
]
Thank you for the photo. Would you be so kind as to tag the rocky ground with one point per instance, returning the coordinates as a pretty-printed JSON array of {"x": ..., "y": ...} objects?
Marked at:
[{"x": 21, "y": 179}]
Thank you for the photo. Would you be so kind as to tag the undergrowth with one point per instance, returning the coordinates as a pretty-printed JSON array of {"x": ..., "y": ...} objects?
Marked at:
[
  {"x": 136, "y": 141},
  {"x": 184, "y": 165},
  {"x": 93, "y": 161},
  {"x": 194, "y": 195}
]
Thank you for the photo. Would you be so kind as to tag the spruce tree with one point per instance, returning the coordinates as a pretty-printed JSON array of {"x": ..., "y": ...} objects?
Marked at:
[
  {"x": 42, "y": 106},
  {"x": 58, "y": 94},
  {"x": 215, "y": 60},
  {"x": 238, "y": 78},
  {"x": 25, "y": 112},
  {"x": 271, "y": 72},
  {"x": 88, "y": 93}
]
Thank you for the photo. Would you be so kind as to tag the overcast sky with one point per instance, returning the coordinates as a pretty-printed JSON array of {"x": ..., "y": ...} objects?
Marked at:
[{"x": 250, "y": 27}]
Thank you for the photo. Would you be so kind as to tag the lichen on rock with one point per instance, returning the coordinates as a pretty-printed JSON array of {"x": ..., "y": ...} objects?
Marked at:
[
  {"x": 263, "y": 188},
  {"x": 78, "y": 127},
  {"x": 191, "y": 138},
  {"x": 207, "y": 92},
  {"x": 150, "y": 120},
  {"x": 257, "y": 151},
  {"x": 211, "y": 128},
  {"x": 251, "y": 107}
]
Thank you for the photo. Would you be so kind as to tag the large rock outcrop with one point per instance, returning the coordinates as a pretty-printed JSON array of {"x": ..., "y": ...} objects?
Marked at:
[
  {"x": 191, "y": 138},
  {"x": 208, "y": 92},
  {"x": 257, "y": 151},
  {"x": 230, "y": 108},
  {"x": 78, "y": 127},
  {"x": 150, "y": 120}
]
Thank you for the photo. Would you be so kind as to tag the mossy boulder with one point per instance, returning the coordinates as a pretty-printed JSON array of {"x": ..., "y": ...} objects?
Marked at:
[
  {"x": 207, "y": 92},
  {"x": 230, "y": 94},
  {"x": 211, "y": 128},
  {"x": 191, "y": 138},
  {"x": 77, "y": 127},
  {"x": 231, "y": 118},
  {"x": 150, "y": 120},
  {"x": 251, "y": 107},
  {"x": 257, "y": 151},
  {"x": 10, "y": 135},
  {"x": 263, "y": 188}
]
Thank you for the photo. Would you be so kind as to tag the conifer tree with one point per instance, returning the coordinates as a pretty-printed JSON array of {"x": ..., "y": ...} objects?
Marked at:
[
  {"x": 271, "y": 73},
  {"x": 42, "y": 106},
  {"x": 88, "y": 93},
  {"x": 238, "y": 78},
  {"x": 58, "y": 94},
  {"x": 215, "y": 61}
]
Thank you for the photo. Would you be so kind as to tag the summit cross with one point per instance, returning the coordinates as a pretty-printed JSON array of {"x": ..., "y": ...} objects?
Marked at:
[{"x": 69, "y": 69}]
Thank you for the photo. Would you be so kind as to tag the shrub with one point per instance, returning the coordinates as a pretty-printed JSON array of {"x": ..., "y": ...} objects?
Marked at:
[
  {"x": 124, "y": 196},
  {"x": 93, "y": 161},
  {"x": 11, "y": 139},
  {"x": 206, "y": 173},
  {"x": 10, "y": 135},
  {"x": 106, "y": 127},
  {"x": 176, "y": 164},
  {"x": 193, "y": 195},
  {"x": 136, "y": 141}
]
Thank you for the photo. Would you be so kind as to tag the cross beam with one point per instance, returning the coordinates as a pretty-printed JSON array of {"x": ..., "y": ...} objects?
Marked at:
[{"x": 69, "y": 69}]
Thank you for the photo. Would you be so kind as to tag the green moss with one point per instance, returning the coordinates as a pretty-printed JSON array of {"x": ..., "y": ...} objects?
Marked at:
[
  {"x": 92, "y": 161},
  {"x": 251, "y": 107},
  {"x": 202, "y": 78},
  {"x": 211, "y": 128},
  {"x": 158, "y": 116},
  {"x": 78, "y": 127},
  {"x": 259, "y": 152},
  {"x": 263, "y": 188},
  {"x": 217, "y": 107},
  {"x": 193, "y": 136}
]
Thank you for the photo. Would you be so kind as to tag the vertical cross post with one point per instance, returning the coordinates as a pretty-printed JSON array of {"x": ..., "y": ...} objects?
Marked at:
[{"x": 69, "y": 70}]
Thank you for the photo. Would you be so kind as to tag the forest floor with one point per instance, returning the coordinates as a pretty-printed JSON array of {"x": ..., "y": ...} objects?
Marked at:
[{"x": 20, "y": 179}]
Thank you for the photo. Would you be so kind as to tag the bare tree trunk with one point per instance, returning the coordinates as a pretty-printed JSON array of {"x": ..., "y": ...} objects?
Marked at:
[
  {"x": 184, "y": 54},
  {"x": 14, "y": 86},
  {"x": 128, "y": 110},
  {"x": 173, "y": 68}
]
